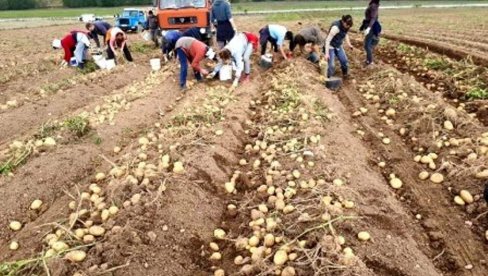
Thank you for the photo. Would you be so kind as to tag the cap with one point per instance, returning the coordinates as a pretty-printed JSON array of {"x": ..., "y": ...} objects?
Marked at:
[{"x": 57, "y": 44}]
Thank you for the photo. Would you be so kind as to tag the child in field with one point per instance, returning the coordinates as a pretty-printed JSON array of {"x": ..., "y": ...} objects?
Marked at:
[{"x": 334, "y": 45}]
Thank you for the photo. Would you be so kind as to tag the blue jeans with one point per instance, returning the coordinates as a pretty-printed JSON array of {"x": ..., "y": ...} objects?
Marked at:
[
  {"x": 341, "y": 55},
  {"x": 370, "y": 41},
  {"x": 81, "y": 52},
  {"x": 184, "y": 68}
]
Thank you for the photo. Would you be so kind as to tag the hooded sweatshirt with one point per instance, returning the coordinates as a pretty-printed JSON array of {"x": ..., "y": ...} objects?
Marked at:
[
  {"x": 195, "y": 51},
  {"x": 220, "y": 11},
  {"x": 70, "y": 41}
]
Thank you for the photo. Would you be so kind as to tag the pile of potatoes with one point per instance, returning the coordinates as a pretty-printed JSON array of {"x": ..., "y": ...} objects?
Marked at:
[{"x": 285, "y": 158}]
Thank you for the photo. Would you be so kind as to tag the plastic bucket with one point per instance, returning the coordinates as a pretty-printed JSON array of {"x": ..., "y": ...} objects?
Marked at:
[
  {"x": 155, "y": 64},
  {"x": 333, "y": 83},
  {"x": 110, "y": 64},
  {"x": 146, "y": 36},
  {"x": 73, "y": 62},
  {"x": 266, "y": 61},
  {"x": 225, "y": 73},
  {"x": 100, "y": 61}
]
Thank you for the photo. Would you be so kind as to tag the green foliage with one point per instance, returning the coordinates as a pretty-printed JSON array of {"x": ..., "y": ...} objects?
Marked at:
[
  {"x": 477, "y": 94},
  {"x": 141, "y": 47},
  {"x": 90, "y": 66},
  {"x": 78, "y": 125},
  {"x": 436, "y": 64}
]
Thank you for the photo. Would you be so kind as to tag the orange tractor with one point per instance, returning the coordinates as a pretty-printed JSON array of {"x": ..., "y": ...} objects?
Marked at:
[{"x": 185, "y": 14}]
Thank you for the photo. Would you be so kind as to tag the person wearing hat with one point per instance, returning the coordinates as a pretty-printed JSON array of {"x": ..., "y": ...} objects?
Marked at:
[
  {"x": 75, "y": 44},
  {"x": 117, "y": 39},
  {"x": 98, "y": 28},
  {"x": 238, "y": 52},
  {"x": 169, "y": 42},
  {"x": 333, "y": 45},
  {"x": 188, "y": 49}
]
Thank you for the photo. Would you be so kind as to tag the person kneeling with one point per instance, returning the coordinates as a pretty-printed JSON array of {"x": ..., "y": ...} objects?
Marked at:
[
  {"x": 75, "y": 44},
  {"x": 333, "y": 45},
  {"x": 188, "y": 49}
]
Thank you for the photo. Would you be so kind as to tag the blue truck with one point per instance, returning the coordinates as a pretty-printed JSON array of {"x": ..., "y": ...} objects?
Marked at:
[{"x": 132, "y": 19}]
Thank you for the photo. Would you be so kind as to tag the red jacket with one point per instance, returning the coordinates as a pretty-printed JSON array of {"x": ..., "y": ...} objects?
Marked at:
[
  {"x": 253, "y": 39},
  {"x": 69, "y": 44},
  {"x": 195, "y": 51}
]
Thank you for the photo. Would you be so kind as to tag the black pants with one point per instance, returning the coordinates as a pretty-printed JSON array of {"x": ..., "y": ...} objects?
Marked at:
[
  {"x": 111, "y": 55},
  {"x": 264, "y": 38}
]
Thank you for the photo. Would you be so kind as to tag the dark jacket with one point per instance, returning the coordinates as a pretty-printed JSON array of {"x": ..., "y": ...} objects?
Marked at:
[
  {"x": 152, "y": 22},
  {"x": 338, "y": 39},
  {"x": 220, "y": 11},
  {"x": 101, "y": 28},
  {"x": 371, "y": 19},
  {"x": 193, "y": 32}
]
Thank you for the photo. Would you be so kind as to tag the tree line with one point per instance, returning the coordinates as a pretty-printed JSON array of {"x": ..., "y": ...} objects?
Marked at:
[{"x": 103, "y": 3}]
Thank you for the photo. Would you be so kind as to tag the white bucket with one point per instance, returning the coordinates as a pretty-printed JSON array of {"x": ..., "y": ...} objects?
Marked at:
[
  {"x": 225, "y": 73},
  {"x": 155, "y": 64},
  {"x": 146, "y": 36},
  {"x": 100, "y": 61},
  {"x": 110, "y": 64}
]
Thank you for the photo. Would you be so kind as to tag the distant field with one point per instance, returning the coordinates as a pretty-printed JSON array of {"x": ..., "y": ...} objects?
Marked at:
[{"x": 238, "y": 7}]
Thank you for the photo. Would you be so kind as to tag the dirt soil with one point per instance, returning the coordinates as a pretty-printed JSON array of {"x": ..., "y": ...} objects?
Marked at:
[{"x": 214, "y": 179}]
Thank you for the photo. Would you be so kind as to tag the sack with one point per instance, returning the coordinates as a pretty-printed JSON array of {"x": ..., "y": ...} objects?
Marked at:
[{"x": 146, "y": 36}]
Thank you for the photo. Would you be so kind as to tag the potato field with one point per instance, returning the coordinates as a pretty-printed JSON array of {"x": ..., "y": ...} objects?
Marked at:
[{"x": 119, "y": 173}]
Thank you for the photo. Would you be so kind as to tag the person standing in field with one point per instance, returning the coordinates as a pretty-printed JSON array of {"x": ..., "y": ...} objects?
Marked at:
[
  {"x": 238, "y": 52},
  {"x": 221, "y": 17},
  {"x": 371, "y": 28},
  {"x": 188, "y": 49},
  {"x": 334, "y": 45},
  {"x": 153, "y": 27},
  {"x": 98, "y": 28},
  {"x": 75, "y": 44},
  {"x": 276, "y": 35},
  {"x": 314, "y": 36},
  {"x": 117, "y": 40}
]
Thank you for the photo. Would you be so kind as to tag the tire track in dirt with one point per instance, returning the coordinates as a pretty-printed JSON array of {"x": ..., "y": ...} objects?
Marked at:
[{"x": 452, "y": 244}]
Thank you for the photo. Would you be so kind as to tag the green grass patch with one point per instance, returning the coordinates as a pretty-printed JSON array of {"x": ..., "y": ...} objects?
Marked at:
[
  {"x": 477, "y": 93},
  {"x": 141, "y": 47},
  {"x": 90, "y": 66},
  {"x": 436, "y": 64},
  {"x": 78, "y": 125},
  {"x": 404, "y": 48}
]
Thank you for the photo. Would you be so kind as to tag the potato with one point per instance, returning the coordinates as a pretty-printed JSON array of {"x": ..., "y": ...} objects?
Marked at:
[
  {"x": 15, "y": 225},
  {"x": 466, "y": 196},
  {"x": 87, "y": 239},
  {"x": 253, "y": 241},
  {"x": 36, "y": 204},
  {"x": 59, "y": 246},
  {"x": 288, "y": 271},
  {"x": 96, "y": 230},
  {"x": 423, "y": 175},
  {"x": 296, "y": 174},
  {"x": 338, "y": 182},
  {"x": 99, "y": 176},
  {"x": 426, "y": 159},
  {"x": 75, "y": 256},
  {"x": 269, "y": 240},
  {"x": 230, "y": 187},
  {"x": 448, "y": 125},
  {"x": 216, "y": 256},
  {"x": 219, "y": 272},
  {"x": 280, "y": 257},
  {"x": 348, "y": 204},
  {"x": 79, "y": 233},
  {"x": 396, "y": 183},
  {"x": 178, "y": 168},
  {"x": 483, "y": 174},
  {"x": 113, "y": 210},
  {"x": 363, "y": 236},
  {"x": 143, "y": 141},
  {"x": 288, "y": 209},
  {"x": 49, "y": 142},
  {"x": 50, "y": 253},
  {"x": 386, "y": 141},
  {"x": 459, "y": 201},
  {"x": 117, "y": 149},
  {"x": 214, "y": 246},
  {"x": 437, "y": 178},
  {"x": 13, "y": 246},
  {"x": 242, "y": 162},
  {"x": 219, "y": 234}
]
